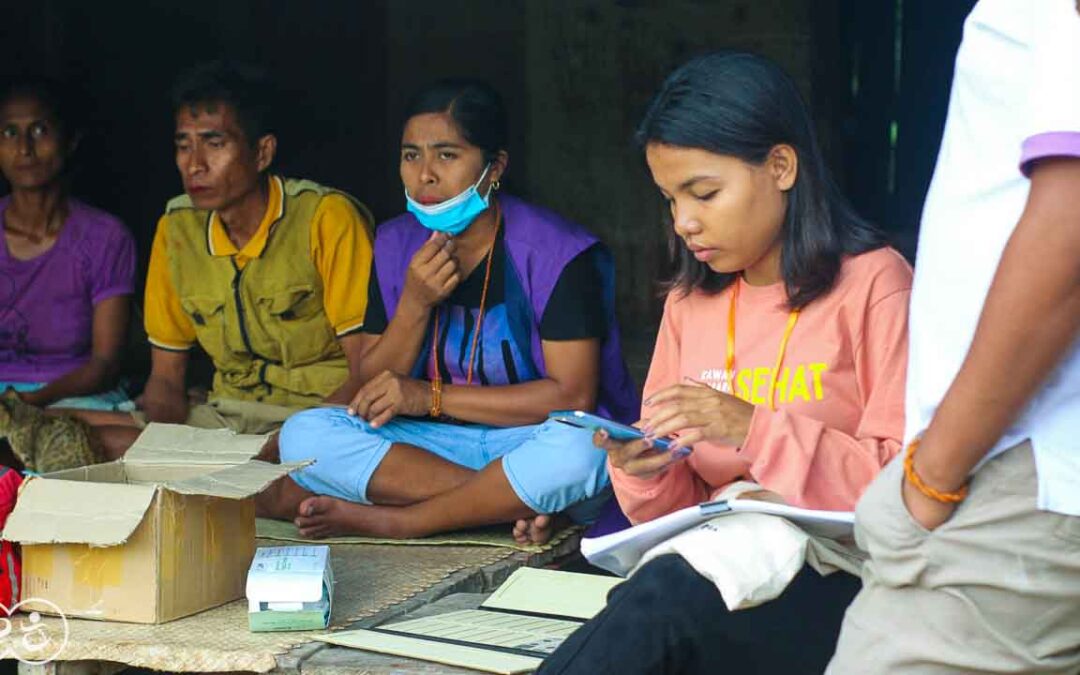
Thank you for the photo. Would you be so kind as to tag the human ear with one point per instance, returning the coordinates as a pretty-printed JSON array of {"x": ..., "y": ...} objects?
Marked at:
[
  {"x": 265, "y": 150},
  {"x": 783, "y": 165},
  {"x": 498, "y": 165}
]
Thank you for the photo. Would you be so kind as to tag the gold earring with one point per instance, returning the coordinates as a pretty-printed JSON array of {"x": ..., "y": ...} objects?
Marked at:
[{"x": 495, "y": 185}]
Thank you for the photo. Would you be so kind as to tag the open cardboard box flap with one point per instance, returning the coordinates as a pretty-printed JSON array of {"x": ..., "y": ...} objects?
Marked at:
[
  {"x": 101, "y": 505},
  {"x": 60, "y": 511},
  {"x": 234, "y": 482},
  {"x": 184, "y": 445}
]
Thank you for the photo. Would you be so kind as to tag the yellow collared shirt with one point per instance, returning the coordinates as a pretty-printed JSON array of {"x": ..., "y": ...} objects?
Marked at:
[{"x": 341, "y": 250}]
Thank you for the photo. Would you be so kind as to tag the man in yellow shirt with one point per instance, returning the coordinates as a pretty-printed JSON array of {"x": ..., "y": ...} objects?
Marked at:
[{"x": 268, "y": 275}]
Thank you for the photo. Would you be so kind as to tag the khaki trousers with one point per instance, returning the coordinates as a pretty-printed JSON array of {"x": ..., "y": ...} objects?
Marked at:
[
  {"x": 243, "y": 417},
  {"x": 995, "y": 589}
]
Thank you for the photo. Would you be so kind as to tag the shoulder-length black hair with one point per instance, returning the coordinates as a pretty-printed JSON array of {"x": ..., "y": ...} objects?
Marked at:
[
  {"x": 474, "y": 105},
  {"x": 743, "y": 105}
]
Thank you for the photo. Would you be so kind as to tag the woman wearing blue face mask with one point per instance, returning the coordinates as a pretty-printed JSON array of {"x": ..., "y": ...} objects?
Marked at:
[{"x": 485, "y": 313}]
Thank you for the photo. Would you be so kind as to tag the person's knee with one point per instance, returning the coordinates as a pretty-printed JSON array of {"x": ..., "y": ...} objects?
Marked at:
[
  {"x": 346, "y": 452},
  {"x": 663, "y": 570},
  {"x": 556, "y": 468},
  {"x": 299, "y": 436},
  {"x": 666, "y": 582},
  {"x": 576, "y": 458}
]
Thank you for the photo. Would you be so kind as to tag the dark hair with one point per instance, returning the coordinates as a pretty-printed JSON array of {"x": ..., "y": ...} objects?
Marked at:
[
  {"x": 58, "y": 97},
  {"x": 247, "y": 89},
  {"x": 474, "y": 105},
  {"x": 742, "y": 105}
]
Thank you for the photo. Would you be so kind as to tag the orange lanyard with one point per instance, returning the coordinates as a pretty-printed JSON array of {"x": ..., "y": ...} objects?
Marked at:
[
  {"x": 730, "y": 362},
  {"x": 437, "y": 378}
]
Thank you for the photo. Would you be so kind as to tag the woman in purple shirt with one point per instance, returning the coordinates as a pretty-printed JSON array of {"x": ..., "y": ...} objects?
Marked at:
[{"x": 66, "y": 269}]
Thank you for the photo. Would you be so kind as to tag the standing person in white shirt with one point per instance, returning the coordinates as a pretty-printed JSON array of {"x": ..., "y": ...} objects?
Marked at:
[{"x": 974, "y": 542}]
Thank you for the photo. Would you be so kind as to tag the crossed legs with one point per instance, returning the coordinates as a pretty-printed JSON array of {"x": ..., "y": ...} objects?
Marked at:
[{"x": 406, "y": 491}]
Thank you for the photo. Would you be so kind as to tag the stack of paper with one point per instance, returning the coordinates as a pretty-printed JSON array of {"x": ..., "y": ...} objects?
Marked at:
[
  {"x": 290, "y": 588},
  {"x": 620, "y": 551}
]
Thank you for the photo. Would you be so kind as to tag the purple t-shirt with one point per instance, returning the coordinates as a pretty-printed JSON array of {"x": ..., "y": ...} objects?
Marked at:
[{"x": 47, "y": 303}]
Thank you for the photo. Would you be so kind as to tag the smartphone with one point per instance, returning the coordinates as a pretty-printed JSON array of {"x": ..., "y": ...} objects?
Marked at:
[{"x": 619, "y": 432}]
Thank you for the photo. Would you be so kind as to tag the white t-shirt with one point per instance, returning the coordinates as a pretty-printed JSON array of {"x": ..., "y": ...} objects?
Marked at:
[{"x": 1015, "y": 99}]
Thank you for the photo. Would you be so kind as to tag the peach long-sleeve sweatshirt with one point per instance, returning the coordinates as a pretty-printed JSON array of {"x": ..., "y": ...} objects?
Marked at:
[{"x": 839, "y": 393}]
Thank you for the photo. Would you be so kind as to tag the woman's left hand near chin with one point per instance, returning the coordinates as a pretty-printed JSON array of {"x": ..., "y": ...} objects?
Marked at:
[{"x": 697, "y": 412}]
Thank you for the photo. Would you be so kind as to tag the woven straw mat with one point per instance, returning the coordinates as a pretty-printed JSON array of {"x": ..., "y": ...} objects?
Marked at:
[
  {"x": 367, "y": 580},
  {"x": 496, "y": 535}
]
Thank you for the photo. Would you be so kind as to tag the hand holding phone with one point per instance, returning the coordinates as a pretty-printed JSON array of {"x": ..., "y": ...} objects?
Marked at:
[
  {"x": 623, "y": 444},
  {"x": 615, "y": 430}
]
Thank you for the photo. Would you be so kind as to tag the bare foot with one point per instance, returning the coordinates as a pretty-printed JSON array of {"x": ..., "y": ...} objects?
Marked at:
[
  {"x": 281, "y": 499},
  {"x": 538, "y": 529},
  {"x": 114, "y": 440},
  {"x": 320, "y": 517},
  {"x": 270, "y": 452}
]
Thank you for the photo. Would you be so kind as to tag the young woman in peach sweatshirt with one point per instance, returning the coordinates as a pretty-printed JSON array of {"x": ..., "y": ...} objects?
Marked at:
[{"x": 780, "y": 360}]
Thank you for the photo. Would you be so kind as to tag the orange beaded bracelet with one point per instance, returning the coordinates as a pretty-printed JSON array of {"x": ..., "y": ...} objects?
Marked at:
[{"x": 917, "y": 481}]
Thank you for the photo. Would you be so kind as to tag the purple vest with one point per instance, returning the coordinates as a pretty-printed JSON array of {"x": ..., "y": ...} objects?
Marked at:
[{"x": 540, "y": 244}]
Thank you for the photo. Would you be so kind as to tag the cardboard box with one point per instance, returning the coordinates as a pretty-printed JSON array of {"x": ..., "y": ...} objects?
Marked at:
[
  {"x": 166, "y": 532},
  {"x": 290, "y": 588}
]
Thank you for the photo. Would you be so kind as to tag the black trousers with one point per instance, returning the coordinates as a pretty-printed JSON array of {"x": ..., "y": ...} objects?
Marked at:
[{"x": 667, "y": 618}]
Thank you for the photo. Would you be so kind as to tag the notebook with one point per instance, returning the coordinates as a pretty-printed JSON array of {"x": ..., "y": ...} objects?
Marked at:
[{"x": 520, "y": 624}]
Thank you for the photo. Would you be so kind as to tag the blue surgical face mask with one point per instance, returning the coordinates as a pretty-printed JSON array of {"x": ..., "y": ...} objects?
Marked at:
[{"x": 454, "y": 215}]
